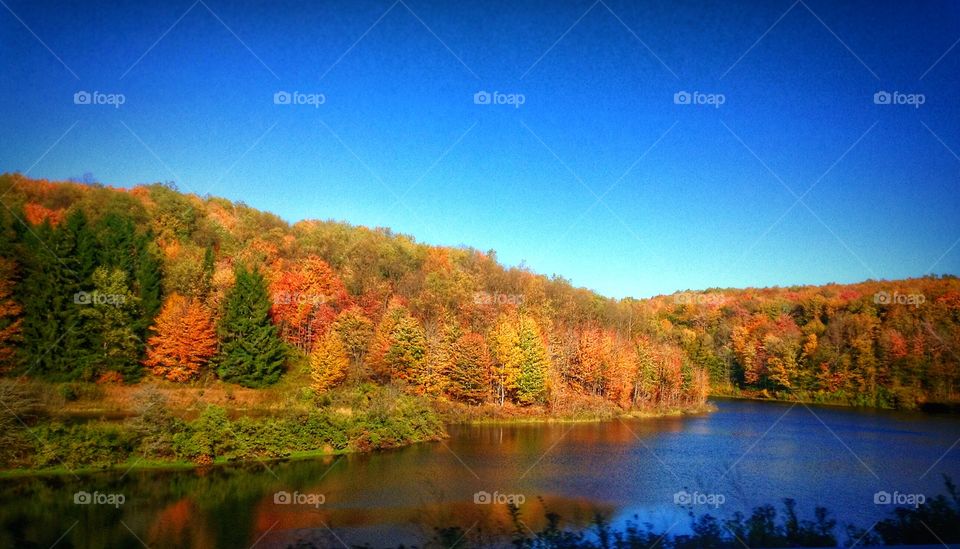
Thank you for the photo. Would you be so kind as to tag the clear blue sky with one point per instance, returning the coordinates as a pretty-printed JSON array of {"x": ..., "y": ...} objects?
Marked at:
[{"x": 706, "y": 203}]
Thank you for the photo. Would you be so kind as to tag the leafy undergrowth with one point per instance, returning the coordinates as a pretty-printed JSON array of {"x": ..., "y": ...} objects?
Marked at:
[
  {"x": 85, "y": 426},
  {"x": 364, "y": 418}
]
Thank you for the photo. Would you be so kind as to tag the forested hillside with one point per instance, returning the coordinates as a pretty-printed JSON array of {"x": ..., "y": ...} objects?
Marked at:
[{"x": 115, "y": 286}]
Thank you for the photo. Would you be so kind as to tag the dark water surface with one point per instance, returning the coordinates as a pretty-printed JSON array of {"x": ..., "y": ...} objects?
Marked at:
[{"x": 743, "y": 455}]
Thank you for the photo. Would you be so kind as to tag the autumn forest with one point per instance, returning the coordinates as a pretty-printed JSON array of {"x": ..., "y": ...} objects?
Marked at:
[{"x": 115, "y": 286}]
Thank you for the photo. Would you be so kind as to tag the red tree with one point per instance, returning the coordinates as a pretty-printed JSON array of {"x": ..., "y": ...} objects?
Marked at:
[{"x": 306, "y": 299}]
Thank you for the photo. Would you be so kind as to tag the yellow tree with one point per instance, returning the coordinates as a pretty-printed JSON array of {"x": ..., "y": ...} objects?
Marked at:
[
  {"x": 469, "y": 373},
  {"x": 355, "y": 331},
  {"x": 382, "y": 340},
  {"x": 329, "y": 362},
  {"x": 506, "y": 357},
  {"x": 432, "y": 374}
]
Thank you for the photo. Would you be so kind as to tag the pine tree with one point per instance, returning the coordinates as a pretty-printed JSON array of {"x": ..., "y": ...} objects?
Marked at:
[
  {"x": 184, "y": 339},
  {"x": 118, "y": 244},
  {"x": 109, "y": 315},
  {"x": 328, "y": 362},
  {"x": 532, "y": 368},
  {"x": 251, "y": 352},
  {"x": 56, "y": 343},
  {"x": 149, "y": 277},
  {"x": 83, "y": 245}
]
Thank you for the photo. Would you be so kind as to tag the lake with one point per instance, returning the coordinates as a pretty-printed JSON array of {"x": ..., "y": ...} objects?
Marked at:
[{"x": 742, "y": 455}]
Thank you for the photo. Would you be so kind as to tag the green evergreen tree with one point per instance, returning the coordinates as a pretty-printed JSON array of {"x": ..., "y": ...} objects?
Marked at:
[
  {"x": 206, "y": 285},
  {"x": 119, "y": 244},
  {"x": 56, "y": 344},
  {"x": 110, "y": 315},
  {"x": 82, "y": 244},
  {"x": 532, "y": 377},
  {"x": 251, "y": 351},
  {"x": 149, "y": 278}
]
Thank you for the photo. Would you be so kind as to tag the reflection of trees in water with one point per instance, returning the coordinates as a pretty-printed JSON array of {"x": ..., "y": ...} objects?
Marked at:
[
  {"x": 308, "y": 526},
  {"x": 212, "y": 507},
  {"x": 534, "y": 436},
  {"x": 232, "y": 506}
]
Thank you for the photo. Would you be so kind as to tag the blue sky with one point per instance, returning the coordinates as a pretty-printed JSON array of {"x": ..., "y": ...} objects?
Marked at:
[{"x": 690, "y": 195}]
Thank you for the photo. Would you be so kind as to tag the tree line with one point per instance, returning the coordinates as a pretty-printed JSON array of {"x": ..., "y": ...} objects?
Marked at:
[{"x": 113, "y": 285}]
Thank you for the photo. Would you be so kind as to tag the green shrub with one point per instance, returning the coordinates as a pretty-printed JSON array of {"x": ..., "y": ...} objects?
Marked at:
[
  {"x": 82, "y": 445},
  {"x": 208, "y": 437}
]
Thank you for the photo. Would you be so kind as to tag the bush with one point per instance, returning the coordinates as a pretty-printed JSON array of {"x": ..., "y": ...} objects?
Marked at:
[
  {"x": 18, "y": 406},
  {"x": 154, "y": 425},
  {"x": 76, "y": 390},
  {"x": 208, "y": 437},
  {"x": 82, "y": 445}
]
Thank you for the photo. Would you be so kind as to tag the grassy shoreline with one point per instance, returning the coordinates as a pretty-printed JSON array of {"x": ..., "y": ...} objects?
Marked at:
[
  {"x": 547, "y": 418},
  {"x": 926, "y": 407},
  {"x": 173, "y": 465},
  {"x": 357, "y": 441}
]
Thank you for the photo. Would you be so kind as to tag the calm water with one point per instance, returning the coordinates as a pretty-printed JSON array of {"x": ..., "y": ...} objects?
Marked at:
[{"x": 745, "y": 454}]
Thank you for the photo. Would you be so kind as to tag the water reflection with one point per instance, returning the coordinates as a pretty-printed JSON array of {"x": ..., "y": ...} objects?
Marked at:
[{"x": 753, "y": 453}]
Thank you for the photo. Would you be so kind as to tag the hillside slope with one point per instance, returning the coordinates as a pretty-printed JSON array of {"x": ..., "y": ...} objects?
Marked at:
[{"x": 115, "y": 285}]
